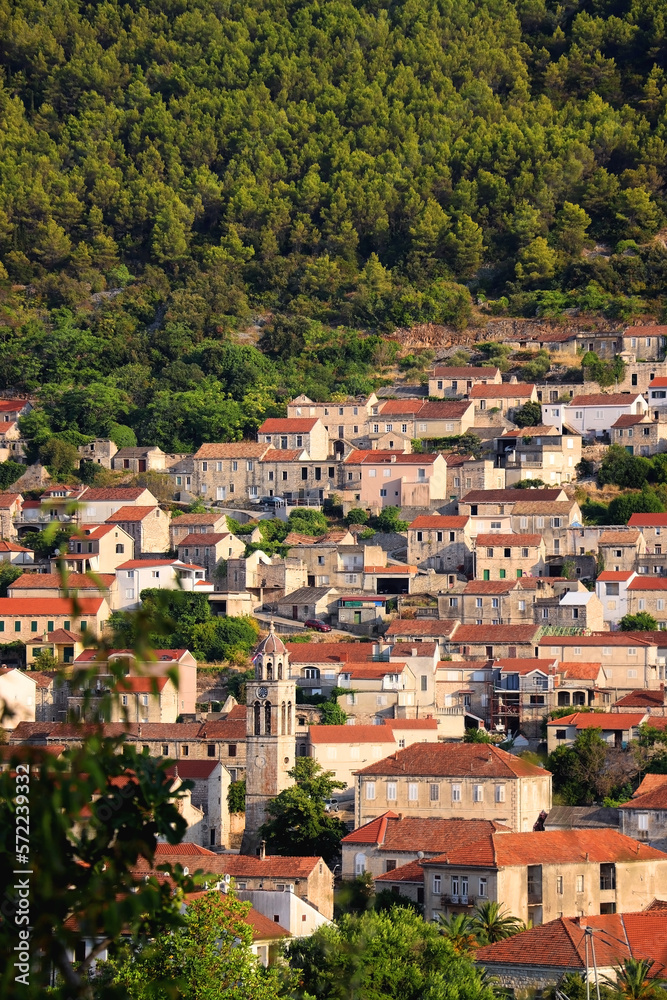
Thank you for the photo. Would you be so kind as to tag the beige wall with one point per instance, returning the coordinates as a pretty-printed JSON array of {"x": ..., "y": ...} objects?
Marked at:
[
  {"x": 509, "y": 562},
  {"x": 442, "y": 549},
  {"x": 17, "y": 699}
]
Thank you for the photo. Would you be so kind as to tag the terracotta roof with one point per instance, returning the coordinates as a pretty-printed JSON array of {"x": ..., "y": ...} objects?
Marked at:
[
  {"x": 604, "y": 399},
  {"x": 555, "y": 337},
  {"x": 651, "y": 783},
  {"x": 442, "y": 371},
  {"x": 442, "y": 409},
  {"x": 12, "y": 405},
  {"x": 506, "y": 390},
  {"x": 490, "y": 586},
  {"x": 54, "y": 581},
  {"x": 511, "y": 496},
  {"x": 496, "y": 633},
  {"x": 616, "y": 574},
  {"x": 7, "y": 500},
  {"x": 432, "y": 835},
  {"x": 43, "y": 679},
  {"x": 264, "y": 928},
  {"x": 25, "y": 606},
  {"x": 649, "y": 330},
  {"x": 579, "y": 671},
  {"x": 599, "y": 639},
  {"x": 12, "y": 547},
  {"x": 371, "y": 671},
  {"x": 197, "y": 770},
  {"x": 601, "y": 720},
  {"x": 351, "y": 734},
  {"x": 516, "y": 665},
  {"x": 660, "y": 382},
  {"x": 629, "y": 420},
  {"x": 147, "y": 563},
  {"x": 453, "y": 760},
  {"x": 272, "y": 643},
  {"x": 558, "y": 507},
  {"x": 560, "y": 944},
  {"x": 619, "y": 537},
  {"x": 114, "y": 493},
  {"x": 503, "y": 850},
  {"x": 539, "y": 430},
  {"x": 648, "y": 521},
  {"x": 133, "y": 730},
  {"x": 420, "y": 626},
  {"x": 440, "y": 521},
  {"x": 142, "y": 685},
  {"x": 642, "y": 698},
  {"x": 427, "y": 723},
  {"x": 282, "y": 455},
  {"x": 164, "y": 655},
  {"x": 329, "y": 652},
  {"x": 511, "y": 540},
  {"x": 203, "y": 538},
  {"x": 377, "y": 457},
  {"x": 58, "y": 636},
  {"x": 398, "y": 406},
  {"x": 654, "y": 799},
  {"x": 224, "y": 729},
  {"x": 381, "y": 598},
  {"x": 195, "y": 519},
  {"x": 389, "y": 570},
  {"x": 92, "y": 531},
  {"x": 412, "y": 872},
  {"x": 642, "y": 582},
  {"x": 130, "y": 514},
  {"x": 287, "y": 425},
  {"x": 167, "y": 850},
  {"x": 249, "y": 865},
  {"x": 232, "y": 449}
]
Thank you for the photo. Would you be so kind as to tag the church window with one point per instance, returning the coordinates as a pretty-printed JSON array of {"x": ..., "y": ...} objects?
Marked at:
[
  {"x": 267, "y": 718},
  {"x": 280, "y": 670},
  {"x": 289, "y": 718},
  {"x": 269, "y": 671},
  {"x": 282, "y": 719},
  {"x": 258, "y": 719}
]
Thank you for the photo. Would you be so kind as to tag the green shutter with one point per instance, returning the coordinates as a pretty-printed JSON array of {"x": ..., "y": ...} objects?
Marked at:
[
  {"x": 2, "y": 626},
  {"x": 33, "y": 626},
  {"x": 502, "y": 574},
  {"x": 519, "y": 573},
  {"x": 17, "y": 626},
  {"x": 49, "y": 627},
  {"x": 66, "y": 626},
  {"x": 487, "y": 575}
]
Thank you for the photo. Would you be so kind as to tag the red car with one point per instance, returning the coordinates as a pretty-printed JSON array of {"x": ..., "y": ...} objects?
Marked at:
[{"x": 318, "y": 625}]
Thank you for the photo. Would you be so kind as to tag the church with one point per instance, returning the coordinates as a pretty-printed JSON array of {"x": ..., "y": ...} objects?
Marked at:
[{"x": 270, "y": 734}]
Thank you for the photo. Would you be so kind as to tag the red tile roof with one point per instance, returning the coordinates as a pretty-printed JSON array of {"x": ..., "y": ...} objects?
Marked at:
[
  {"x": 648, "y": 521},
  {"x": 198, "y": 770},
  {"x": 579, "y": 671},
  {"x": 165, "y": 655},
  {"x": 453, "y": 760},
  {"x": 389, "y": 570},
  {"x": 504, "y": 850},
  {"x": 58, "y": 636},
  {"x": 420, "y": 626},
  {"x": 170, "y": 849},
  {"x": 490, "y": 586},
  {"x": 648, "y": 330},
  {"x": 232, "y": 449},
  {"x": 560, "y": 944},
  {"x": 351, "y": 734},
  {"x": 440, "y": 521},
  {"x": 130, "y": 514},
  {"x": 372, "y": 457},
  {"x": 442, "y": 409},
  {"x": 619, "y": 537},
  {"x": 506, "y": 390},
  {"x": 113, "y": 493},
  {"x": 642, "y": 582},
  {"x": 601, "y": 720},
  {"x": 427, "y": 723},
  {"x": 224, "y": 729},
  {"x": 371, "y": 671},
  {"x": 287, "y": 425},
  {"x": 7, "y": 500},
  {"x": 282, "y": 455},
  {"x": 12, "y": 547},
  {"x": 203, "y": 538},
  {"x": 42, "y": 606},
  {"x": 629, "y": 420},
  {"x": 598, "y": 639},
  {"x": 513, "y": 541},
  {"x": 642, "y": 698},
  {"x": 142, "y": 685},
  {"x": 490, "y": 634},
  {"x": 412, "y": 872},
  {"x": 147, "y": 563},
  {"x": 249, "y": 865},
  {"x": 660, "y": 382},
  {"x": 604, "y": 399},
  {"x": 54, "y": 581},
  {"x": 398, "y": 406},
  {"x": 616, "y": 574},
  {"x": 442, "y": 371},
  {"x": 511, "y": 496},
  {"x": 654, "y": 797},
  {"x": 211, "y": 517},
  {"x": 431, "y": 835}
]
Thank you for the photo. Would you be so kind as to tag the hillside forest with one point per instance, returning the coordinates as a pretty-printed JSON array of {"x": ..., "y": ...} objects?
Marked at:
[{"x": 176, "y": 174}]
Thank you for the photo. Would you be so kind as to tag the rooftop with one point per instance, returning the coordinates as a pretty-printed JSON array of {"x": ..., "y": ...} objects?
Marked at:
[
  {"x": 628, "y": 537},
  {"x": 648, "y": 521},
  {"x": 232, "y": 449},
  {"x": 439, "y": 521},
  {"x": 601, "y": 720},
  {"x": 442, "y": 371},
  {"x": 505, "y": 390},
  {"x": 454, "y": 760},
  {"x": 605, "y": 399},
  {"x": 511, "y": 496},
  {"x": 288, "y": 425},
  {"x": 431, "y": 835},
  {"x": 131, "y": 514},
  {"x": 510, "y": 540},
  {"x": 351, "y": 734}
]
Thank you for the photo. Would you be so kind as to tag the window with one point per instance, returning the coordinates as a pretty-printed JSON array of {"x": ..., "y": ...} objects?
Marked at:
[
  {"x": 359, "y": 864},
  {"x": 478, "y": 602},
  {"x": 210, "y": 750},
  {"x": 204, "y": 467},
  {"x": 370, "y": 790},
  {"x": 185, "y": 750},
  {"x": 391, "y": 791},
  {"x": 632, "y": 651},
  {"x": 478, "y": 793},
  {"x": 120, "y": 549},
  {"x": 33, "y": 626},
  {"x": 165, "y": 749},
  {"x": 580, "y": 883},
  {"x": 17, "y": 626},
  {"x": 456, "y": 793},
  {"x": 434, "y": 793},
  {"x": 424, "y": 682},
  {"x": 437, "y": 884},
  {"x": 642, "y": 821},
  {"x": 482, "y": 890},
  {"x": 413, "y": 791},
  {"x": 559, "y": 885},
  {"x": 500, "y": 793},
  {"x": 123, "y": 699}
]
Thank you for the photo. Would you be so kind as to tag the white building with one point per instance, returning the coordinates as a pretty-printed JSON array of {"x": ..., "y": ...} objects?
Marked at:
[
  {"x": 611, "y": 588},
  {"x": 136, "y": 575},
  {"x": 593, "y": 414}
]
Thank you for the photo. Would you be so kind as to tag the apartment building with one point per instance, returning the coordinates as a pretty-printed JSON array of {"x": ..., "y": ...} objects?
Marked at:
[
  {"x": 505, "y": 399},
  {"x": 592, "y": 414},
  {"x": 344, "y": 749},
  {"x": 620, "y": 549},
  {"x": 538, "y": 453},
  {"x": 296, "y": 433},
  {"x": 629, "y": 659},
  {"x": 440, "y": 542},
  {"x": 403, "y": 686},
  {"x": 334, "y": 563},
  {"x": 444, "y": 381},
  {"x": 446, "y": 780},
  {"x": 611, "y": 588},
  {"x": 384, "y": 479},
  {"x": 465, "y": 685},
  {"x": 498, "y": 556},
  {"x": 97, "y": 548},
  {"x": 163, "y": 663},
  {"x": 538, "y": 877},
  {"x": 140, "y": 699}
]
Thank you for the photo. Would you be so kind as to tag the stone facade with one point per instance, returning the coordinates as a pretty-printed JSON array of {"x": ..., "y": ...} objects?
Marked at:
[
  {"x": 148, "y": 526},
  {"x": 440, "y": 542}
]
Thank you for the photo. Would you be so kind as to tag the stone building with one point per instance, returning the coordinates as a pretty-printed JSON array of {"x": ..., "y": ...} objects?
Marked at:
[
  {"x": 620, "y": 549},
  {"x": 10, "y": 511},
  {"x": 444, "y": 381},
  {"x": 648, "y": 594},
  {"x": 506, "y": 398},
  {"x": 440, "y": 542},
  {"x": 498, "y": 556},
  {"x": 296, "y": 433},
  {"x": 148, "y": 526},
  {"x": 642, "y": 434},
  {"x": 643, "y": 817},
  {"x": 343, "y": 421},
  {"x": 210, "y": 550},
  {"x": 468, "y": 780},
  {"x": 186, "y": 524},
  {"x": 538, "y": 453},
  {"x": 142, "y": 459},
  {"x": 571, "y": 610},
  {"x": 617, "y": 728}
]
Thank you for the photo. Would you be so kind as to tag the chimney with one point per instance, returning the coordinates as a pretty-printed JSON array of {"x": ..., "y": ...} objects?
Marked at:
[
  {"x": 393, "y": 458},
  {"x": 139, "y": 731},
  {"x": 262, "y": 850},
  {"x": 176, "y": 771}
]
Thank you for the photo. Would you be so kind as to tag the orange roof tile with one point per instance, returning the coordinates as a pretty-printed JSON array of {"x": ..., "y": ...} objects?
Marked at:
[
  {"x": 642, "y": 698},
  {"x": 504, "y": 850},
  {"x": 629, "y": 537},
  {"x": 203, "y": 538},
  {"x": 496, "y": 633},
  {"x": 585, "y": 671},
  {"x": 329, "y": 652},
  {"x": 648, "y": 521},
  {"x": 511, "y": 496},
  {"x": 440, "y": 521},
  {"x": 505, "y": 390},
  {"x": 420, "y": 626},
  {"x": 427, "y": 723},
  {"x": 604, "y": 399},
  {"x": 432, "y": 835},
  {"x": 96, "y": 493},
  {"x": 454, "y": 760},
  {"x": 601, "y": 720},
  {"x": 287, "y": 425},
  {"x": 129, "y": 513},
  {"x": 351, "y": 734},
  {"x": 615, "y": 574},
  {"x": 412, "y": 872},
  {"x": 54, "y": 581},
  {"x": 232, "y": 449},
  {"x": 26, "y": 606},
  {"x": 642, "y": 582}
]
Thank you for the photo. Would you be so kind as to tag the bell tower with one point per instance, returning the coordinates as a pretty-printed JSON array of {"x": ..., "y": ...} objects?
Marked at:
[{"x": 270, "y": 733}]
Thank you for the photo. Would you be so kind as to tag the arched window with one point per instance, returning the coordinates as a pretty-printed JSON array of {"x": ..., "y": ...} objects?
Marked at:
[
  {"x": 259, "y": 667},
  {"x": 289, "y": 718},
  {"x": 282, "y": 719},
  {"x": 267, "y": 718},
  {"x": 269, "y": 671},
  {"x": 258, "y": 719},
  {"x": 280, "y": 670},
  {"x": 359, "y": 863}
]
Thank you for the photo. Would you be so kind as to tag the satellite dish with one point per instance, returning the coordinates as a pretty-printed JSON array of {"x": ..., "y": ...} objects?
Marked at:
[
  {"x": 228, "y": 879},
  {"x": 420, "y": 854},
  {"x": 186, "y": 870}
]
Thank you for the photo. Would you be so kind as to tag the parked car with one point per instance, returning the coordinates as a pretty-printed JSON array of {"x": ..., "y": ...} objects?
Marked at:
[
  {"x": 331, "y": 805},
  {"x": 274, "y": 501},
  {"x": 317, "y": 624}
]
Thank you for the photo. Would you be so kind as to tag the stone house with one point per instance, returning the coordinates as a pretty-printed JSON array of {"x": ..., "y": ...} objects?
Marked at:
[
  {"x": 620, "y": 549},
  {"x": 165, "y": 662},
  {"x": 523, "y": 693},
  {"x": 444, "y": 381},
  {"x": 51, "y": 585},
  {"x": 543, "y": 955},
  {"x": 647, "y": 594},
  {"x": 611, "y": 588},
  {"x": 141, "y": 699},
  {"x": 417, "y": 630},
  {"x": 654, "y": 529},
  {"x": 642, "y": 434},
  {"x": 505, "y": 398},
  {"x": 646, "y": 342},
  {"x": 186, "y": 524},
  {"x": 336, "y": 563},
  {"x": 98, "y": 504},
  {"x": 629, "y": 659},
  {"x": 465, "y": 686},
  {"x": 22, "y": 618},
  {"x": 12, "y": 443},
  {"x": 148, "y": 526},
  {"x": 501, "y": 502},
  {"x": 617, "y": 728},
  {"x": 541, "y": 876},
  {"x": 139, "y": 460},
  {"x": 444, "y": 419},
  {"x": 387, "y": 690},
  {"x": 643, "y": 817},
  {"x": 307, "y": 602},
  {"x": 265, "y": 577},
  {"x": 465, "y": 473},
  {"x": 384, "y": 479},
  {"x": 447, "y": 780},
  {"x": 315, "y": 666},
  {"x": 494, "y": 641},
  {"x": 99, "y": 548},
  {"x": 440, "y": 542},
  {"x": 210, "y": 550},
  {"x": 592, "y": 414},
  {"x": 211, "y": 781},
  {"x": 498, "y": 556},
  {"x": 362, "y": 614},
  {"x": 552, "y": 520},
  {"x": 572, "y": 610},
  {"x": 390, "y": 841},
  {"x": 580, "y": 684},
  {"x": 11, "y": 505},
  {"x": 496, "y": 602},
  {"x": 299, "y": 433},
  {"x": 344, "y": 749},
  {"x": 343, "y": 421},
  {"x": 65, "y": 646},
  {"x": 228, "y": 471},
  {"x": 99, "y": 452},
  {"x": 538, "y": 453}
]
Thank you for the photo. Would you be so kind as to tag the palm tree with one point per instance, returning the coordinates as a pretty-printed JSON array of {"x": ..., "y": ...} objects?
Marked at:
[
  {"x": 492, "y": 924},
  {"x": 459, "y": 930},
  {"x": 632, "y": 981}
]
